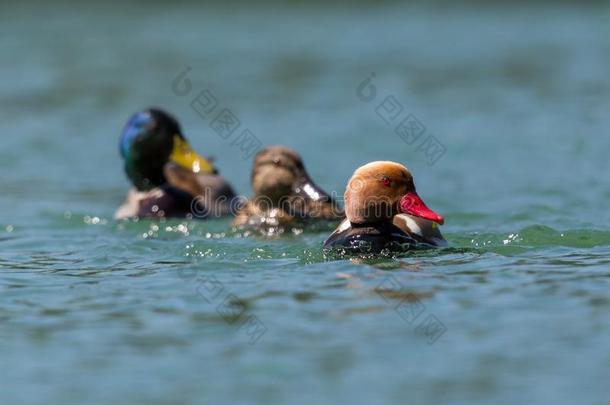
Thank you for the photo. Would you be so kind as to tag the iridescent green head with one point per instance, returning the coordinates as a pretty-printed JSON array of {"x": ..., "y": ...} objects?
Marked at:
[{"x": 151, "y": 139}]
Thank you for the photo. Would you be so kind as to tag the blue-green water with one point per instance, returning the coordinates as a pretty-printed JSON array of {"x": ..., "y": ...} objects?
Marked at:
[{"x": 97, "y": 311}]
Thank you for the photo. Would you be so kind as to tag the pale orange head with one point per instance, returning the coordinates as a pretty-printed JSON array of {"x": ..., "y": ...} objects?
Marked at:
[{"x": 379, "y": 190}]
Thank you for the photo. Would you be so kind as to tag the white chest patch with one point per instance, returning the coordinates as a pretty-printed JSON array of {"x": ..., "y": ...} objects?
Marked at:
[
  {"x": 343, "y": 226},
  {"x": 409, "y": 223}
]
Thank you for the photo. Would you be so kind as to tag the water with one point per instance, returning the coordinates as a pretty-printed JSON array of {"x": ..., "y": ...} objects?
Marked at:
[{"x": 98, "y": 311}]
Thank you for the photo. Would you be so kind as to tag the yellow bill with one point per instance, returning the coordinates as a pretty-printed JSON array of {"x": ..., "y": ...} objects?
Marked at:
[{"x": 184, "y": 156}]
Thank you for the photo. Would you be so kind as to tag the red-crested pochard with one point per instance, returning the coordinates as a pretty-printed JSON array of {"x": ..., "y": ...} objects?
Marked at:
[{"x": 384, "y": 212}]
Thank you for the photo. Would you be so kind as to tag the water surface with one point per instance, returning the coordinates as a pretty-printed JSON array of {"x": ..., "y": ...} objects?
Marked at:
[{"x": 99, "y": 311}]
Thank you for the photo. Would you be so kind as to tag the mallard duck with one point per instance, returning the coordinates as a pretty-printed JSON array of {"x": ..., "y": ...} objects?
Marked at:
[
  {"x": 285, "y": 197},
  {"x": 168, "y": 177},
  {"x": 384, "y": 212}
]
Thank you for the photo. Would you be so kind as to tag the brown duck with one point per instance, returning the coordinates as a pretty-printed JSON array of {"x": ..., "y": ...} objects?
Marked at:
[{"x": 284, "y": 196}]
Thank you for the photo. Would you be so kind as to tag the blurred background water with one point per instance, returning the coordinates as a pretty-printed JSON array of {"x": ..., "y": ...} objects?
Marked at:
[{"x": 99, "y": 311}]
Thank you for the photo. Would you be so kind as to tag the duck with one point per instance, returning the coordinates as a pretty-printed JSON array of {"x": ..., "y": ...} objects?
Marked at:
[
  {"x": 168, "y": 178},
  {"x": 385, "y": 213},
  {"x": 285, "y": 198}
]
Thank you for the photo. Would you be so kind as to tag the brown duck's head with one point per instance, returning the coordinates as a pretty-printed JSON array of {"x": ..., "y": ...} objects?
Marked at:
[
  {"x": 379, "y": 190},
  {"x": 279, "y": 176}
]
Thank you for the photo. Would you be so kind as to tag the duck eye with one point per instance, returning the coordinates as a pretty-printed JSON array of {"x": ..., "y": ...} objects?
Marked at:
[{"x": 386, "y": 181}]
